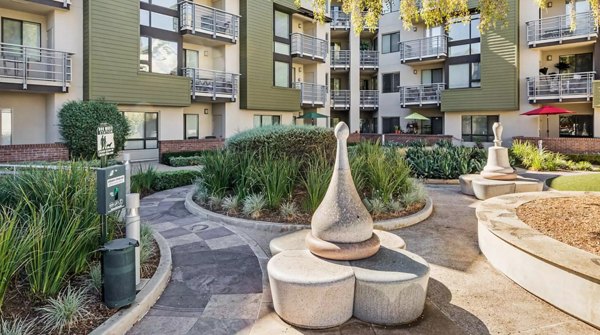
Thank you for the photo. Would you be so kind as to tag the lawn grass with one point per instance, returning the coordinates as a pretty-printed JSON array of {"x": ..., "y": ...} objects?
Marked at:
[{"x": 584, "y": 182}]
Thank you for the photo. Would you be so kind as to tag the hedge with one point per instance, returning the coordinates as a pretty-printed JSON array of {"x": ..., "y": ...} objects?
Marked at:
[
  {"x": 166, "y": 157},
  {"x": 173, "y": 179},
  {"x": 288, "y": 140},
  {"x": 185, "y": 161}
]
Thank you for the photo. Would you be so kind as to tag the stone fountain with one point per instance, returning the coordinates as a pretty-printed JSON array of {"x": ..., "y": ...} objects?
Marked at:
[
  {"x": 498, "y": 177},
  {"x": 341, "y": 267}
]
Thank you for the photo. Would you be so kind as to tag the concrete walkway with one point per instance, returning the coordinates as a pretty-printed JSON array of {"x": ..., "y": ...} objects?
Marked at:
[{"x": 216, "y": 285}]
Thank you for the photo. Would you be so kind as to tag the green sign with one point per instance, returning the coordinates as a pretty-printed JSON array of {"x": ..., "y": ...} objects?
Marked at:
[{"x": 110, "y": 189}]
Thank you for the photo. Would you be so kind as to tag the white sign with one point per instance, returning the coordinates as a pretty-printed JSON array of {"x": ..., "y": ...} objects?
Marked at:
[{"x": 105, "y": 140}]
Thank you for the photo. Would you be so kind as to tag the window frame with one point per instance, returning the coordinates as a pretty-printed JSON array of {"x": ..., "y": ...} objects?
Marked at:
[
  {"x": 39, "y": 25},
  {"x": 393, "y": 88},
  {"x": 277, "y": 57},
  {"x": 150, "y": 62},
  {"x": 468, "y": 137},
  {"x": 470, "y": 58},
  {"x": 391, "y": 44},
  {"x": 145, "y": 139},
  {"x": 185, "y": 128},
  {"x": 10, "y": 112},
  {"x": 261, "y": 116}
]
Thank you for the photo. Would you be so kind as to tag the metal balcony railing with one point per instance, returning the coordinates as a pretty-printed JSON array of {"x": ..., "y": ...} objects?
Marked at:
[
  {"x": 199, "y": 18},
  {"x": 340, "y": 59},
  {"x": 340, "y": 99},
  {"x": 369, "y": 59},
  {"x": 561, "y": 86},
  {"x": 339, "y": 20},
  {"x": 430, "y": 47},
  {"x": 65, "y": 3},
  {"x": 558, "y": 29},
  {"x": 212, "y": 84},
  {"x": 312, "y": 94},
  {"x": 309, "y": 46},
  {"x": 419, "y": 95},
  {"x": 26, "y": 65},
  {"x": 369, "y": 99}
]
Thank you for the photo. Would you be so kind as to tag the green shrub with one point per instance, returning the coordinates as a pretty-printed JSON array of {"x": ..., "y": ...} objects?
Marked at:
[
  {"x": 530, "y": 157},
  {"x": 64, "y": 311},
  {"x": 445, "y": 162},
  {"x": 185, "y": 161},
  {"x": 288, "y": 210},
  {"x": 78, "y": 121},
  {"x": 299, "y": 142},
  {"x": 316, "y": 180},
  {"x": 143, "y": 179},
  {"x": 276, "y": 178},
  {"x": 231, "y": 204},
  {"x": 95, "y": 278},
  {"x": 16, "y": 327},
  {"x": 253, "y": 206},
  {"x": 15, "y": 243},
  {"x": 590, "y": 158},
  {"x": 172, "y": 179},
  {"x": 166, "y": 157},
  {"x": 218, "y": 174}
]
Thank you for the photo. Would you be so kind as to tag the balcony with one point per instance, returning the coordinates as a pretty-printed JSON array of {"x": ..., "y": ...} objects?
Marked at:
[
  {"x": 340, "y": 99},
  {"x": 421, "y": 95},
  {"x": 308, "y": 49},
  {"x": 557, "y": 30},
  {"x": 34, "y": 69},
  {"x": 369, "y": 99},
  {"x": 424, "y": 51},
  {"x": 369, "y": 60},
  {"x": 63, "y": 4},
  {"x": 340, "y": 20},
  {"x": 340, "y": 60},
  {"x": 559, "y": 87},
  {"x": 307, "y": 9},
  {"x": 312, "y": 95},
  {"x": 212, "y": 86},
  {"x": 207, "y": 22}
]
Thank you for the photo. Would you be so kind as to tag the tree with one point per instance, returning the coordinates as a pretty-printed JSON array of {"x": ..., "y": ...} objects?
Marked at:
[
  {"x": 78, "y": 121},
  {"x": 433, "y": 12}
]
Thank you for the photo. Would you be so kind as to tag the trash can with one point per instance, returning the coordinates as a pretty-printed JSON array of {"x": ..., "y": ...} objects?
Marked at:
[{"x": 118, "y": 269}]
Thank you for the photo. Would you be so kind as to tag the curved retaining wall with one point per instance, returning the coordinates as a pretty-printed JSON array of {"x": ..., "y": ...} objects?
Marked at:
[{"x": 564, "y": 276}]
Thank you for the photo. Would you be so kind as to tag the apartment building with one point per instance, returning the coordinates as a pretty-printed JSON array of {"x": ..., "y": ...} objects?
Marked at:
[
  {"x": 463, "y": 81},
  {"x": 178, "y": 70},
  {"x": 41, "y": 61}
]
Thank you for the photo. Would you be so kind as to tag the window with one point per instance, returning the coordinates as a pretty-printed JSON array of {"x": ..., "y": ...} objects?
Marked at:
[
  {"x": 192, "y": 59},
  {"x": 282, "y": 59},
  {"x": 158, "y": 56},
  {"x": 5, "y": 126},
  {"x": 390, "y": 124},
  {"x": 171, "y": 4},
  {"x": 464, "y": 50},
  {"x": 144, "y": 130},
  {"x": 391, "y": 82},
  {"x": 390, "y": 43},
  {"x": 191, "y": 124},
  {"x": 432, "y": 76},
  {"x": 390, "y": 6},
  {"x": 282, "y": 24},
  {"x": 266, "y": 120},
  {"x": 577, "y": 63},
  {"x": 21, "y": 33},
  {"x": 576, "y": 126},
  {"x": 478, "y": 128},
  {"x": 282, "y": 74}
]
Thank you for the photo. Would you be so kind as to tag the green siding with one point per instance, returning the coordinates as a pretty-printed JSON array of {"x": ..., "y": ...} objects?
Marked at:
[
  {"x": 256, "y": 59},
  {"x": 597, "y": 94},
  {"x": 499, "y": 72},
  {"x": 111, "y": 59}
]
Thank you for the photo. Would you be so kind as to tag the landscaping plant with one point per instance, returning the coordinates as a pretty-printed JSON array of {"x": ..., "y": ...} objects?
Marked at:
[
  {"x": 445, "y": 161},
  {"x": 315, "y": 180},
  {"x": 276, "y": 178},
  {"x": 78, "y": 121},
  {"x": 64, "y": 311},
  {"x": 253, "y": 206},
  {"x": 16, "y": 327}
]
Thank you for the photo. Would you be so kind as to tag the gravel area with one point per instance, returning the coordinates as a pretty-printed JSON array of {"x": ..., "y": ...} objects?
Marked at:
[{"x": 574, "y": 221}]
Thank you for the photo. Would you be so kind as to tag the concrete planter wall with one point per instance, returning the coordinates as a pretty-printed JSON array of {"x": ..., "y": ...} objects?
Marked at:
[{"x": 564, "y": 276}]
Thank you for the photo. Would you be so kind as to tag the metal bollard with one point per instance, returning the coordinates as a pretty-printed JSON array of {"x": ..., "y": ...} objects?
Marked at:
[
  {"x": 132, "y": 228},
  {"x": 127, "y": 163}
]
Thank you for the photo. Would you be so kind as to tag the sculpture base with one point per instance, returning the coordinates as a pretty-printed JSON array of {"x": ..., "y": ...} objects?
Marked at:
[
  {"x": 483, "y": 188},
  {"x": 343, "y": 251},
  {"x": 499, "y": 175}
]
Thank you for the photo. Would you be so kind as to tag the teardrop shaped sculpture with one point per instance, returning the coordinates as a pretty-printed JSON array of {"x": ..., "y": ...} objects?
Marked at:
[{"x": 342, "y": 217}]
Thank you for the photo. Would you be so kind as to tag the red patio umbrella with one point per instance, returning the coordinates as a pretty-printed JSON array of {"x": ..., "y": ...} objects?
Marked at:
[{"x": 547, "y": 110}]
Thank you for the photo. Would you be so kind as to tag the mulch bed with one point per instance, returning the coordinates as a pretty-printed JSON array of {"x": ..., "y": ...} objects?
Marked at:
[
  {"x": 20, "y": 304},
  {"x": 574, "y": 221},
  {"x": 304, "y": 218}
]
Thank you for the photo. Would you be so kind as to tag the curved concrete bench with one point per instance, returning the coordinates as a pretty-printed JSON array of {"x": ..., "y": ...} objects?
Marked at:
[
  {"x": 482, "y": 188},
  {"x": 309, "y": 291},
  {"x": 296, "y": 241},
  {"x": 391, "y": 287},
  {"x": 564, "y": 276}
]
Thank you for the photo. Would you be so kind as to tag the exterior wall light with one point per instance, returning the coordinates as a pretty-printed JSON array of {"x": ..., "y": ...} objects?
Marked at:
[{"x": 205, "y": 111}]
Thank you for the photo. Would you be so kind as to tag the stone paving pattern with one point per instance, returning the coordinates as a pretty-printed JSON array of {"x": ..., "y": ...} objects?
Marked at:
[{"x": 219, "y": 286}]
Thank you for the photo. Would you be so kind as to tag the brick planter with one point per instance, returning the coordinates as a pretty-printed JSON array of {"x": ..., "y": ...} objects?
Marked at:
[
  {"x": 565, "y": 145},
  {"x": 33, "y": 152},
  {"x": 189, "y": 145}
]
